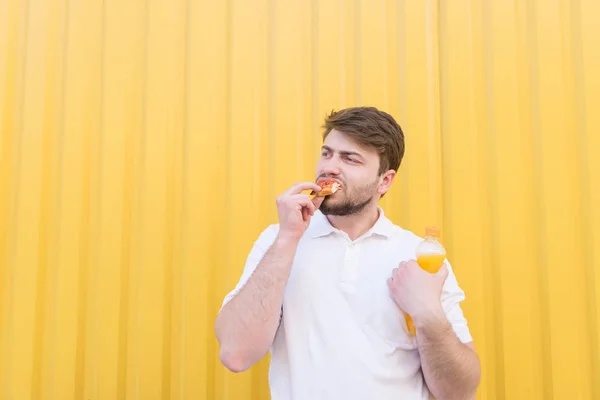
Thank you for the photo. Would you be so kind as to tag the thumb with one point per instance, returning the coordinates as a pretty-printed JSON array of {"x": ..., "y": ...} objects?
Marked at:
[
  {"x": 317, "y": 200},
  {"x": 443, "y": 273}
]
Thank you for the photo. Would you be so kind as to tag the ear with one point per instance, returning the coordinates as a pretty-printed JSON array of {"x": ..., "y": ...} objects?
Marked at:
[{"x": 386, "y": 181}]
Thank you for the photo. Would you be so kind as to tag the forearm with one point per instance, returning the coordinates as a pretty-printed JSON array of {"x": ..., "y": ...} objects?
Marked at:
[
  {"x": 247, "y": 324},
  {"x": 451, "y": 369}
]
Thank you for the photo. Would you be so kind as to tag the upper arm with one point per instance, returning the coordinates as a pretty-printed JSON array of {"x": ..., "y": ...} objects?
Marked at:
[
  {"x": 260, "y": 247},
  {"x": 452, "y": 296}
]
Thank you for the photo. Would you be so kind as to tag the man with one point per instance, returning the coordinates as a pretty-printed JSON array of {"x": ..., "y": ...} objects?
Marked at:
[{"x": 326, "y": 289}]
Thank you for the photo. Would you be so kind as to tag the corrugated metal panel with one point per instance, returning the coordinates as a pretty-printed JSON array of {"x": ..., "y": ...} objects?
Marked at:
[{"x": 143, "y": 143}]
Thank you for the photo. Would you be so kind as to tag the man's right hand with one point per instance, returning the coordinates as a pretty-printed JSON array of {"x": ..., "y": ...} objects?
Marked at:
[{"x": 295, "y": 210}]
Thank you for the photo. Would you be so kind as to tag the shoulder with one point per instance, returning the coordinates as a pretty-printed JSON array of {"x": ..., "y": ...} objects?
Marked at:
[
  {"x": 409, "y": 236},
  {"x": 406, "y": 237},
  {"x": 268, "y": 235}
]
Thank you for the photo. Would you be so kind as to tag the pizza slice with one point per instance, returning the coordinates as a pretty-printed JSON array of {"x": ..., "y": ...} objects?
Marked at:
[{"x": 329, "y": 186}]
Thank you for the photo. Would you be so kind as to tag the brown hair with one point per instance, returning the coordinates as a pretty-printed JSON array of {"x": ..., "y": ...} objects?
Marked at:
[{"x": 372, "y": 128}]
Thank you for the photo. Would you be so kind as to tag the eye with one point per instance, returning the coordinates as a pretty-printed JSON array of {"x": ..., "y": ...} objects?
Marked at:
[{"x": 352, "y": 160}]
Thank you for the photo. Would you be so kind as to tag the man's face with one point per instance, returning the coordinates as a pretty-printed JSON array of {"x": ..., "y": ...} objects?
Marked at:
[{"x": 356, "y": 168}]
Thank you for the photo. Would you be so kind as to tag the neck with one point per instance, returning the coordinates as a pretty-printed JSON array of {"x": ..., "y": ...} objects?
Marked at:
[{"x": 358, "y": 224}]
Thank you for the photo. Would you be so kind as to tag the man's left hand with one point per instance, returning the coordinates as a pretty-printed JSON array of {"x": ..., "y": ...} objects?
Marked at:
[{"x": 417, "y": 292}]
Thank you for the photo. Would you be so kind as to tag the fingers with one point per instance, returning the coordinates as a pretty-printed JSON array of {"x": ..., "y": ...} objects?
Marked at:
[
  {"x": 300, "y": 186},
  {"x": 305, "y": 205},
  {"x": 304, "y": 201},
  {"x": 307, "y": 213}
]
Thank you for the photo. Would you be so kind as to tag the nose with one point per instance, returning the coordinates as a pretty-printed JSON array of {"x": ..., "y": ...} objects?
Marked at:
[{"x": 331, "y": 167}]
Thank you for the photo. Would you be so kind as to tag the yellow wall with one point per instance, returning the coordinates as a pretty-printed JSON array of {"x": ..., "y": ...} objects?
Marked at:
[{"x": 142, "y": 145}]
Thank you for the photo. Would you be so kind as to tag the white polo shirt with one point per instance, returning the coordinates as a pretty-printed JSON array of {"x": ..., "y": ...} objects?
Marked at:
[{"x": 341, "y": 335}]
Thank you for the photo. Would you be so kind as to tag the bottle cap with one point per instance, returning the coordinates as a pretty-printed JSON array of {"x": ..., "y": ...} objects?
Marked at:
[{"x": 432, "y": 231}]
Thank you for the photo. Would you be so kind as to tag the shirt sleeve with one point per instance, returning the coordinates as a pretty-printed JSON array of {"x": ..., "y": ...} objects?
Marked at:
[
  {"x": 259, "y": 249},
  {"x": 452, "y": 296}
]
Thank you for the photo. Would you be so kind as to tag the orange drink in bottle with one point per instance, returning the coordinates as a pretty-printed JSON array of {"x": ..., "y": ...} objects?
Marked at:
[{"x": 430, "y": 257}]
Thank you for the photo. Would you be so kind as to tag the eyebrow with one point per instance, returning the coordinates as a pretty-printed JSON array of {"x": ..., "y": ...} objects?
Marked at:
[{"x": 343, "y": 152}]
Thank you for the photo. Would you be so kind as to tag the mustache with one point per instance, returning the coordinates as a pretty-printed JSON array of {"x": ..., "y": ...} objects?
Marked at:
[{"x": 331, "y": 177}]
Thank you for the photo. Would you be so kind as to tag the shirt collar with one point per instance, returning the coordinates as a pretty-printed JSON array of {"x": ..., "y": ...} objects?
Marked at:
[{"x": 320, "y": 226}]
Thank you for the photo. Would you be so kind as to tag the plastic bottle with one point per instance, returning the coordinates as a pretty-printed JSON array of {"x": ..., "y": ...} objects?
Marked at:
[{"x": 430, "y": 257}]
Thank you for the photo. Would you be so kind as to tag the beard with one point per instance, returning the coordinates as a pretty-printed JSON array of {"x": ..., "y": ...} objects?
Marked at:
[{"x": 355, "y": 202}]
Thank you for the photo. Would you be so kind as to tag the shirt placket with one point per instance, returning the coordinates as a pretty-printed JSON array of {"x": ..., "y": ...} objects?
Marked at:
[{"x": 350, "y": 268}]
